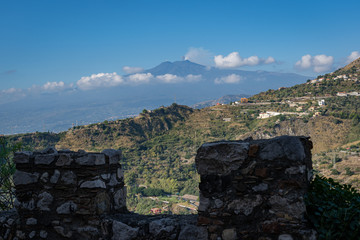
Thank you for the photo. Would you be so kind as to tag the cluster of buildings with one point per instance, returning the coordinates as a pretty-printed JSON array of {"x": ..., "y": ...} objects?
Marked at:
[
  {"x": 345, "y": 77},
  {"x": 345, "y": 94}
]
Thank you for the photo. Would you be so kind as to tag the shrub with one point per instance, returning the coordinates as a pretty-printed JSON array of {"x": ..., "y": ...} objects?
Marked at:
[
  {"x": 334, "y": 172},
  {"x": 333, "y": 209},
  {"x": 7, "y": 169}
]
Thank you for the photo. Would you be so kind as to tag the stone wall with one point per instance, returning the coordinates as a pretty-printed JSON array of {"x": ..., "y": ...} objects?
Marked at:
[
  {"x": 254, "y": 189},
  {"x": 63, "y": 194},
  {"x": 249, "y": 190}
]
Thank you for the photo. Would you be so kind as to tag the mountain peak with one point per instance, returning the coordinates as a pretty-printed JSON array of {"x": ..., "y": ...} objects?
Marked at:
[{"x": 179, "y": 68}]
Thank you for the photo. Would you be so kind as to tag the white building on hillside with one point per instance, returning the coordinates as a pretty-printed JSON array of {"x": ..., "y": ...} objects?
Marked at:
[
  {"x": 321, "y": 102},
  {"x": 267, "y": 114}
]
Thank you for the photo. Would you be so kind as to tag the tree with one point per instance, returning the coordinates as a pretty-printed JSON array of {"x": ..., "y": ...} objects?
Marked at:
[{"x": 7, "y": 169}]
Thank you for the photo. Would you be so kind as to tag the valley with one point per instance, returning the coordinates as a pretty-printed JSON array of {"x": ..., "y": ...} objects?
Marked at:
[{"x": 159, "y": 146}]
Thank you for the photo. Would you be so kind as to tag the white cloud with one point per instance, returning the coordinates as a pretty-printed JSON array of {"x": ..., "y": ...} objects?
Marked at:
[
  {"x": 353, "y": 56},
  {"x": 131, "y": 70},
  {"x": 234, "y": 60},
  {"x": 199, "y": 55},
  {"x": 99, "y": 80},
  {"x": 269, "y": 60},
  {"x": 53, "y": 86},
  {"x": 140, "y": 78},
  {"x": 193, "y": 78},
  {"x": 10, "y": 90},
  {"x": 171, "y": 78},
  {"x": 318, "y": 63},
  {"x": 305, "y": 62},
  {"x": 322, "y": 63},
  {"x": 232, "y": 78}
]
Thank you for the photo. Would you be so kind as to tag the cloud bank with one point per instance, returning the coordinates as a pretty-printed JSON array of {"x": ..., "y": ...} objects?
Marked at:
[
  {"x": 230, "y": 79},
  {"x": 171, "y": 78},
  {"x": 140, "y": 78},
  {"x": 54, "y": 86},
  {"x": 100, "y": 80},
  {"x": 234, "y": 60},
  {"x": 318, "y": 63}
]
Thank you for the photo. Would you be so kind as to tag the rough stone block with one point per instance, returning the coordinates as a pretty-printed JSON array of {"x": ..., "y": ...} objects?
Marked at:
[
  {"x": 68, "y": 178},
  {"x": 93, "y": 184},
  {"x": 45, "y": 200},
  {"x": 282, "y": 148},
  {"x": 191, "y": 232},
  {"x": 91, "y": 159},
  {"x": 44, "y": 159},
  {"x": 23, "y": 178},
  {"x": 221, "y": 157},
  {"x": 67, "y": 208},
  {"x": 123, "y": 231},
  {"x": 64, "y": 160},
  {"x": 113, "y": 155},
  {"x": 22, "y": 157},
  {"x": 55, "y": 177}
]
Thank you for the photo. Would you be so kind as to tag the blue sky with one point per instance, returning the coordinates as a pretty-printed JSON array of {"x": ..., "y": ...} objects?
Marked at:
[{"x": 60, "y": 42}]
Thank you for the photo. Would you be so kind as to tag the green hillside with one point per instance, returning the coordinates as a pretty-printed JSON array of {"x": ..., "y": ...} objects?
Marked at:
[{"x": 159, "y": 146}]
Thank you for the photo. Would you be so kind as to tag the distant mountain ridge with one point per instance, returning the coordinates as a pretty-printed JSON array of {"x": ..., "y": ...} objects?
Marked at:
[
  {"x": 59, "y": 111},
  {"x": 179, "y": 68}
]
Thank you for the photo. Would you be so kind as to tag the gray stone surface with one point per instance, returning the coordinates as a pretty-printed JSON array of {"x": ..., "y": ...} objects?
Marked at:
[
  {"x": 261, "y": 187},
  {"x": 23, "y": 178},
  {"x": 98, "y": 183},
  {"x": 44, "y": 177},
  {"x": 45, "y": 200},
  {"x": 32, "y": 234},
  {"x": 67, "y": 208},
  {"x": 113, "y": 180},
  {"x": 193, "y": 232},
  {"x": 61, "y": 230},
  {"x": 55, "y": 177},
  {"x": 285, "y": 237},
  {"x": 88, "y": 231},
  {"x": 204, "y": 203},
  {"x": 122, "y": 231},
  {"x": 245, "y": 205},
  {"x": 120, "y": 198},
  {"x": 22, "y": 157},
  {"x": 284, "y": 147},
  {"x": 91, "y": 159},
  {"x": 44, "y": 159},
  {"x": 20, "y": 234},
  {"x": 31, "y": 221},
  {"x": 68, "y": 178},
  {"x": 221, "y": 157},
  {"x": 29, "y": 205},
  {"x": 43, "y": 234},
  {"x": 106, "y": 176},
  {"x": 162, "y": 225},
  {"x": 64, "y": 160},
  {"x": 120, "y": 173},
  {"x": 114, "y": 155},
  {"x": 229, "y": 234}
]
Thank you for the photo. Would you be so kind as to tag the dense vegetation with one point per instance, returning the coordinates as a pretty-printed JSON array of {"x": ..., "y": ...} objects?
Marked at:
[
  {"x": 7, "y": 169},
  {"x": 333, "y": 209}
]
